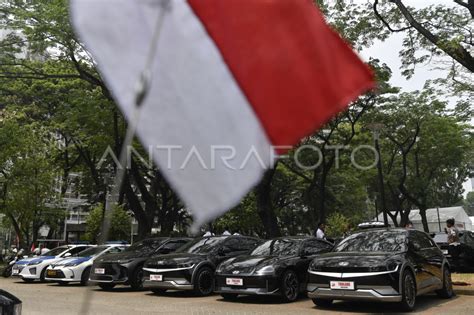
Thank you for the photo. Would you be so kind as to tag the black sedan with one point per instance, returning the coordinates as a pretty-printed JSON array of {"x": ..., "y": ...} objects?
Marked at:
[
  {"x": 276, "y": 267},
  {"x": 460, "y": 254},
  {"x": 126, "y": 267},
  {"x": 387, "y": 265},
  {"x": 192, "y": 266}
]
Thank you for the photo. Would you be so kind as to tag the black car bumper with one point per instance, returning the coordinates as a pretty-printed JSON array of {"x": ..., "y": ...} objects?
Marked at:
[
  {"x": 369, "y": 286},
  {"x": 112, "y": 273},
  {"x": 170, "y": 279},
  {"x": 251, "y": 285}
]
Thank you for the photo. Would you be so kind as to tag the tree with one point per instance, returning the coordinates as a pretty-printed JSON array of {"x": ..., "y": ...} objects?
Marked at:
[
  {"x": 120, "y": 224},
  {"x": 469, "y": 203},
  {"x": 438, "y": 32}
]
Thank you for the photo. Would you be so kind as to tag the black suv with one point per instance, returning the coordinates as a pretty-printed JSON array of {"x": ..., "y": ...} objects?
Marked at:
[
  {"x": 460, "y": 254},
  {"x": 192, "y": 266},
  {"x": 276, "y": 267},
  {"x": 386, "y": 265},
  {"x": 126, "y": 267}
]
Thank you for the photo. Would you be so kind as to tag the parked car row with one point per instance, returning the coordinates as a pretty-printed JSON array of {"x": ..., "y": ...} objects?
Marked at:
[{"x": 384, "y": 264}]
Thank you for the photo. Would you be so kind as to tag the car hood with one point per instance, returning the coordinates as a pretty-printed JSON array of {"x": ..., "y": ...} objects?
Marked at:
[
  {"x": 355, "y": 261},
  {"x": 123, "y": 257},
  {"x": 72, "y": 260},
  {"x": 248, "y": 264},
  {"x": 25, "y": 261},
  {"x": 174, "y": 260}
]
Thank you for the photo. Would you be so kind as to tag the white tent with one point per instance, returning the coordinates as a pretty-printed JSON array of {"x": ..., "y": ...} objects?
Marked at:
[{"x": 463, "y": 221}]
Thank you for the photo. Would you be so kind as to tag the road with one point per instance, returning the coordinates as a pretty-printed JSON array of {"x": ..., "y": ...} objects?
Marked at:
[{"x": 47, "y": 298}]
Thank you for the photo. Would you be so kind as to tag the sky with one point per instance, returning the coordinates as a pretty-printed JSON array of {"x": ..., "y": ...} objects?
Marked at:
[{"x": 388, "y": 50}]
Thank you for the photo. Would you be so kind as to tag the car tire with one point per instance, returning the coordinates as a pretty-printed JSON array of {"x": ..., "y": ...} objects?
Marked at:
[
  {"x": 322, "y": 302},
  {"x": 408, "y": 292},
  {"x": 204, "y": 281},
  {"x": 85, "y": 276},
  {"x": 229, "y": 296},
  {"x": 447, "y": 291},
  {"x": 106, "y": 286},
  {"x": 136, "y": 282},
  {"x": 290, "y": 286},
  {"x": 43, "y": 275},
  {"x": 158, "y": 291}
]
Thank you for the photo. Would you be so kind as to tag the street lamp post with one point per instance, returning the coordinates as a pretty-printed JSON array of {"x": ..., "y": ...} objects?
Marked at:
[{"x": 376, "y": 128}]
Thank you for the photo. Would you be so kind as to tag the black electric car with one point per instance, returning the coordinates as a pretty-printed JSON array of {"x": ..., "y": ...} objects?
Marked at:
[
  {"x": 387, "y": 265},
  {"x": 126, "y": 267},
  {"x": 192, "y": 266},
  {"x": 276, "y": 267},
  {"x": 459, "y": 254}
]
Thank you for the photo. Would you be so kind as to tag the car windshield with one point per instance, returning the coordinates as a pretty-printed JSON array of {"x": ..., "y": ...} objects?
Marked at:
[
  {"x": 278, "y": 247},
  {"x": 373, "y": 241},
  {"x": 55, "y": 251},
  {"x": 92, "y": 251},
  {"x": 146, "y": 246},
  {"x": 201, "y": 245}
]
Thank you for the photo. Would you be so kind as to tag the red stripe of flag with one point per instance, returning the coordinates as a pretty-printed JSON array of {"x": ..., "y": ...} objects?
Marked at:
[{"x": 294, "y": 69}]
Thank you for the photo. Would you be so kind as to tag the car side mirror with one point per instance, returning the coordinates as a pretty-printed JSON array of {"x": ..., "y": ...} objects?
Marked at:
[
  {"x": 67, "y": 255},
  {"x": 416, "y": 247},
  {"x": 164, "y": 250},
  {"x": 222, "y": 251}
]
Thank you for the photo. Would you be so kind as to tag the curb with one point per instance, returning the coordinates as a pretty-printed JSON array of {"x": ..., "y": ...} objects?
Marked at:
[{"x": 464, "y": 291}]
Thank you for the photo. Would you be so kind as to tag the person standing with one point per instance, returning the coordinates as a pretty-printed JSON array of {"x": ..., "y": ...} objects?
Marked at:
[
  {"x": 452, "y": 231},
  {"x": 320, "y": 231}
]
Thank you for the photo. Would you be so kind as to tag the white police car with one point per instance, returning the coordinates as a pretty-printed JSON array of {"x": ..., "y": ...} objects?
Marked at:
[
  {"x": 31, "y": 269},
  {"x": 78, "y": 268}
]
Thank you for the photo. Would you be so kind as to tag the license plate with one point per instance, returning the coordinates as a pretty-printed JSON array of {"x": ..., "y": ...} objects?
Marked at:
[
  {"x": 99, "y": 271},
  {"x": 51, "y": 272},
  {"x": 156, "y": 277},
  {"x": 234, "y": 281},
  {"x": 445, "y": 251},
  {"x": 342, "y": 285}
]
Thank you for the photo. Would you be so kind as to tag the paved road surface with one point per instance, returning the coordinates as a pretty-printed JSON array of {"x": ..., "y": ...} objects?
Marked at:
[{"x": 47, "y": 298}]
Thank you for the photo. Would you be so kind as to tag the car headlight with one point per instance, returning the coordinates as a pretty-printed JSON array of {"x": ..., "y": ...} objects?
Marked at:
[
  {"x": 125, "y": 261},
  {"x": 314, "y": 266},
  {"x": 267, "y": 270},
  {"x": 72, "y": 264},
  {"x": 186, "y": 265},
  {"x": 223, "y": 266}
]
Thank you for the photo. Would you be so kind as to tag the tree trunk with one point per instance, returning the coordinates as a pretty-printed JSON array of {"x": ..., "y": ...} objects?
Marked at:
[
  {"x": 423, "y": 219},
  {"x": 265, "y": 207}
]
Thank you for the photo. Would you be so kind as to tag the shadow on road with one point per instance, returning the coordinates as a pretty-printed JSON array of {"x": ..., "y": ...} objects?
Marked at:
[{"x": 423, "y": 303}]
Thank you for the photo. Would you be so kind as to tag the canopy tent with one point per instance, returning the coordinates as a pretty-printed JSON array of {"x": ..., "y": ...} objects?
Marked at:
[{"x": 462, "y": 220}]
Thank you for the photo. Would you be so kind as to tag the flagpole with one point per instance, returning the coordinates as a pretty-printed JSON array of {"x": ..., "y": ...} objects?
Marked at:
[{"x": 142, "y": 89}]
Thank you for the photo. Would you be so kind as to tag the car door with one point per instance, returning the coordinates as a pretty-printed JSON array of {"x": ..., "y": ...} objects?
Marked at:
[{"x": 427, "y": 260}]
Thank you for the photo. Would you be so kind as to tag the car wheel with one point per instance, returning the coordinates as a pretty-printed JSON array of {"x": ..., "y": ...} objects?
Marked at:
[
  {"x": 322, "y": 302},
  {"x": 158, "y": 291},
  {"x": 204, "y": 281},
  {"x": 43, "y": 275},
  {"x": 106, "y": 286},
  {"x": 408, "y": 292},
  {"x": 28, "y": 280},
  {"x": 290, "y": 286},
  {"x": 447, "y": 291},
  {"x": 85, "y": 276},
  {"x": 137, "y": 279},
  {"x": 229, "y": 296}
]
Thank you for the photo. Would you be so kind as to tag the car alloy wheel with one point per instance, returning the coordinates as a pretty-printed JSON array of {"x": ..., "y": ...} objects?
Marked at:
[
  {"x": 137, "y": 279},
  {"x": 408, "y": 291},
  {"x": 204, "y": 283},
  {"x": 290, "y": 286}
]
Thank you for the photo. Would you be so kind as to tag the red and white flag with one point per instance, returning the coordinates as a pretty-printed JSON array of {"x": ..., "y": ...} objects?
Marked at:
[{"x": 233, "y": 82}]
